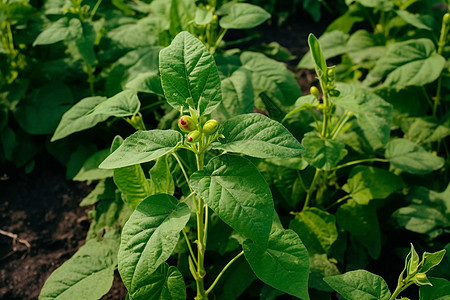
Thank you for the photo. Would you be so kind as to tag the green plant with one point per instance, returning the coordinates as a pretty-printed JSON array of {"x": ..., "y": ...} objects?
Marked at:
[
  {"x": 363, "y": 284},
  {"x": 227, "y": 185}
]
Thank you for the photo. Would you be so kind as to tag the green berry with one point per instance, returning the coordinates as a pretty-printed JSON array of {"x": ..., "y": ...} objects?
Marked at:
[
  {"x": 314, "y": 91},
  {"x": 194, "y": 136},
  {"x": 446, "y": 18},
  {"x": 187, "y": 123},
  {"x": 330, "y": 73},
  {"x": 210, "y": 127}
]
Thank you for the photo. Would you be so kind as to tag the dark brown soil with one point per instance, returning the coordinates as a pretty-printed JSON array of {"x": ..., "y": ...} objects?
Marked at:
[{"x": 41, "y": 209}]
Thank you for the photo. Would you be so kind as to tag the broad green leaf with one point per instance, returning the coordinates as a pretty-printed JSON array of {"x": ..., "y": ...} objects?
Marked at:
[
  {"x": 88, "y": 274},
  {"x": 422, "y": 219},
  {"x": 182, "y": 15},
  {"x": 143, "y": 146},
  {"x": 56, "y": 32},
  {"x": 427, "y": 130},
  {"x": 79, "y": 117},
  {"x": 271, "y": 77},
  {"x": 105, "y": 189},
  {"x": 302, "y": 103},
  {"x": 322, "y": 154},
  {"x": 163, "y": 284},
  {"x": 373, "y": 114},
  {"x": 410, "y": 157},
  {"x": 123, "y": 104},
  {"x": 235, "y": 190},
  {"x": 258, "y": 136},
  {"x": 90, "y": 111},
  {"x": 316, "y": 228},
  {"x": 363, "y": 46},
  {"x": 367, "y": 183},
  {"x": 409, "y": 63},
  {"x": 203, "y": 16},
  {"x": 414, "y": 20},
  {"x": 430, "y": 260},
  {"x": 438, "y": 290},
  {"x": 149, "y": 82},
  {"x": 161, "y": 177},
  {"x": 149, "y": 237},
  {"x": 81, "y": 40},
  {"x": 90, "y": 170},
  {"x": 384, "y": 5},
  {"x": 282, "y": 264},
  {"x": 243, "y": 16},
  {"x": 332, "y": 44},
  {"x": 359, "y": 284},
  {"x": 188, "y": 70},
  {"x": 136, "y": 33},
  {"x": 237, "y": 96},
  {"x": 41, "y": 110},
  {"x": 361, "y": 221},
  {"x": 132, "y": 183},
  {"x": 320, "y": 267}
]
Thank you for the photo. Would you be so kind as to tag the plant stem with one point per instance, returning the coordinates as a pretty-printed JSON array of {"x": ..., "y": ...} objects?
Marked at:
[
  {"x": 340, "y": 124},
  {"x": 311, "y": 189},
  {"x": 91, "y": 79},
  {"x": 441, "y": 44},
  {"x": 359, "y": 161},
  {"x": 190, "y": 247},
  {"x": 201, "y": 241},
  {"x": 223, "y": 271},
  {"x": 338, "y": 201},
  {"x": 94, "y": 10},
  {"x": 219, "y": 39}
]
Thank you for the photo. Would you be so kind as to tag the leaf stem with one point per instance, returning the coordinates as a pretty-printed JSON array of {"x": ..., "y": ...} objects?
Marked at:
[
  {"x": 340, "y": 124},
  {"x": 219, "y": 39},
  {"x": 342, "y": 199},
  {"x": 94, "y": 10},
  {"x": 360, "y": 161},
  {"x": 441, "y": 44},
  {"x": 190, "y": 247},
  {"x": 223, "y": 271},
  {"x": 311, "y": 189},
  {"x": 183, "y": 170}
]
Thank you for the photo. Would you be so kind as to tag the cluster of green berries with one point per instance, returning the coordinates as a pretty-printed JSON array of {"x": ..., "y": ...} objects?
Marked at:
[
  {"x": 329, "y": 82},
  {"x": 189, "y": 125}
]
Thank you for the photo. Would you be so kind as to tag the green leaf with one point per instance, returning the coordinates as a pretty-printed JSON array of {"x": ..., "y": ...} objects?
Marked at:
[
  {"x": 123, "y": 104},
  {"x": 302, "y": 103},
  {"x": 384, "y": 5},
  {"x": 90, "y": 170},
  {"x": 283, "y": 264},
  {"x": 105, "y": 189},
  {"x": 359, "y": 284},
  {"x": 88, "y": 274},
  {"x": 81, "y": 40},
  {"x": 143, "y": 146},
  {"x": 203, "y": 16},
  {"x": 439, "y": 290},
  {"x": 41, "y": 110},
  {"x": 367, "y": 183},
  {"x": 235, "y": 280},
  {"x": 322, "y": 154},
  {"x": 165, "y": 283},
  {"x": 414, "y": 20},
  {"x": 243, "y": 16},
  {"x": 430, "y": 260},
  {"x": 316, "y": 228},
  {"x": 373, "y": 114},
  {"x": 161, "y": 177},
  {"x": 149, "y": 82},
  {"x": 79, "y": 117},
  {"x": 56, "y": 32},
  {"x": 258, "y": 136},
  {"x": 93, "y": 110},
  {"x": 409, "y": 63},
  {"x": 317, "y": 55},
  {"x": 235, "y": 190},
  {"x": 331, "y": 44},
  {"x": 411, "y": 158},
  {"x": 237, "y": 96},
  {"x": 188, "y": 70},
  {"x": 320, "y": 266},
  {"x": 271, "y": 77},
  {"x": 132, "y": 183},
  {"x": 361, "y": 221},
  {"x": 148, "y": 239},
  {"x": 363, "y": 46},
  {"x": 427, "y": 130},
  {"x": 422, "y": 219}
]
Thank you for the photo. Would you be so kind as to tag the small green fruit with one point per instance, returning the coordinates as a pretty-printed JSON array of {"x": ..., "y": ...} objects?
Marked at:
[
  {"x": 210, "y": 127},
  {"x": 314, "y": 91},
  {"x": 330, "y": 73},
  {"x": 446, "y": 19},
  {"x": 187, "y": 123},
  {"x": 194, "y": 136}
]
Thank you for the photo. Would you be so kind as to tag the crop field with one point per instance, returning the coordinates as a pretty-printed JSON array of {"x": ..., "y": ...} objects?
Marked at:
[{"x": 225, "y": 149}]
